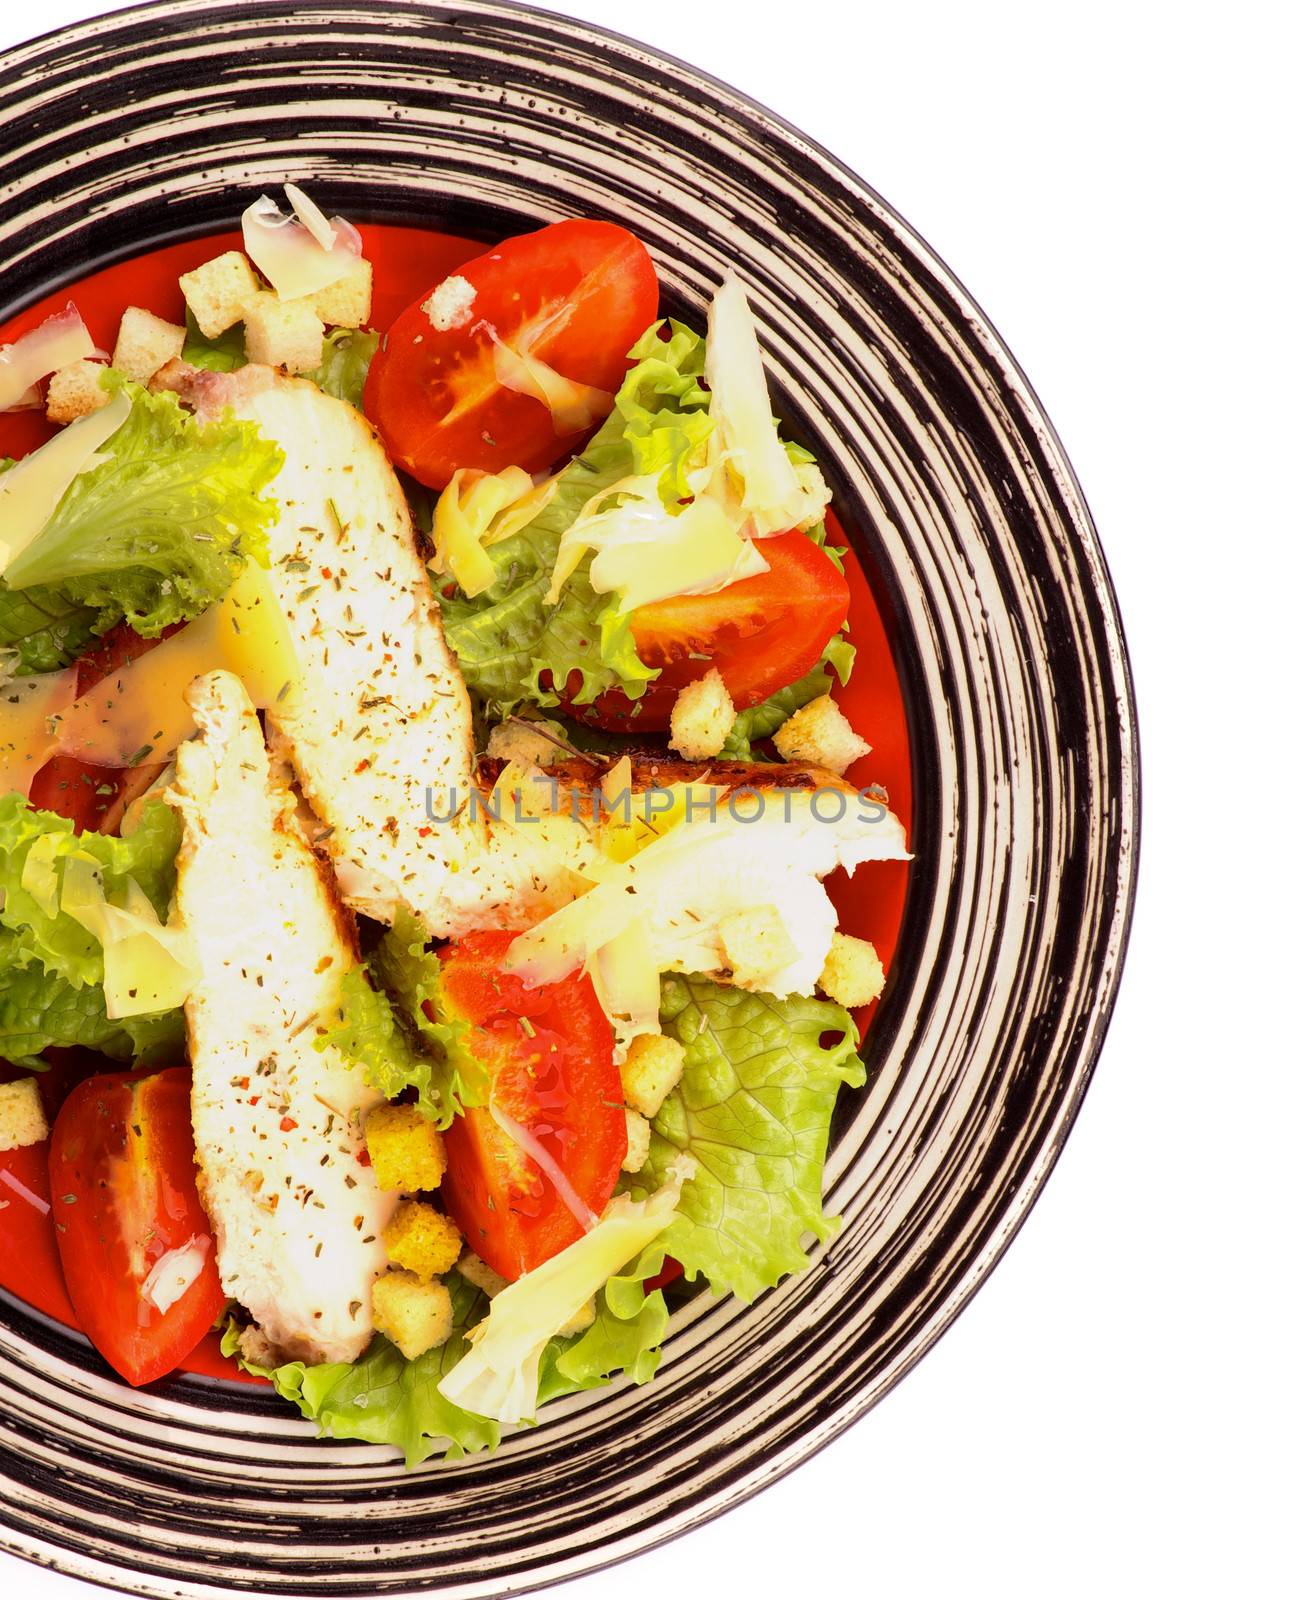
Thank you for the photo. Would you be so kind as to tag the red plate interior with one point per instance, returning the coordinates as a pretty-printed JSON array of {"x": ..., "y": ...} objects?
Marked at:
[{"x": 407, "y": 261}]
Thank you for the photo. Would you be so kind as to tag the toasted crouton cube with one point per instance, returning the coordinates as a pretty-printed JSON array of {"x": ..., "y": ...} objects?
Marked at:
[
  {"x": 220, "y": 292},
  {"x": 649, "y": 1072},
  {"x": 422, "y": 1240},
  {"x": 756, "y": 944},
  {"x": 821, "y": 735},
  {"x": 853, "y": 974},
  {"x": 75, "y": 391},
  {"x": 480, "y": 1273},
  {"x": 346, "y": 303},
  {"x": 146, "y": 343},
  {"x": 638, "y": 1141},
  {"x": 585, "y": 1317},
  {"x": 407, "y": 1151},
  {"x": 22, "y": 1116},
  {"x": 415, "y": 1316},
  {"x": 702, "y": 716},
  {"x": 283, "y": 333}
]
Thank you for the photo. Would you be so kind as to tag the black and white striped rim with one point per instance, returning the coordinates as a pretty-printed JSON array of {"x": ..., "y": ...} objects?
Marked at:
[{"x": 151, "y": 124}]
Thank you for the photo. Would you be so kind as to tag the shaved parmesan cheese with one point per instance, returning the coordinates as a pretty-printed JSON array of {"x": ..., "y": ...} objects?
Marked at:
[
  {"x": 626, "y": 979},
  {"x": 450, "y": 305},
  {"x": 464, "y": 518},
  {"x": 311, "y": 215},
  {"x": 174, "y": 1272},
  {"x": 30, "y": 491},
  {"x": 142, "y": 711},
  {"x": 773, "y": 494},
  {"x": 499, "y": 1375},
  {"x": 772, "y": 849},
  {"x": 57, "y": 342},
  {"x": 147, "y": 966},
  {"x": 27, "y": 739},
  {"x": 644, "y": 552},
  {"x": 292, "y": 253},
  {"x": 574, "y": 406}
]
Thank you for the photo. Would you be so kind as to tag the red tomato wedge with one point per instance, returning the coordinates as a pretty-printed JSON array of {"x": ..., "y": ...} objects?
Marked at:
[
  {"x": 137, "y": 1252},
  {"x": 554, "y": 1093},
  {"x": 96, "y": 797},
  {"x": 576, "y": 295},
  {"x": 762, "y": 634}
]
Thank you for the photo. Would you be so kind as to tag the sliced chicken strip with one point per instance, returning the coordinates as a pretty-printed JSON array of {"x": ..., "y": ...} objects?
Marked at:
[
  {"x": 278, "y": 1124},
  {"x": 384, "y": 719}
]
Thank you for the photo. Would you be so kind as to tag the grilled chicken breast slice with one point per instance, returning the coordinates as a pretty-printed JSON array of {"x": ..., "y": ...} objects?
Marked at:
[
  {"x": 278, "y": 1124},
  {"x": 383, "y": 719}
]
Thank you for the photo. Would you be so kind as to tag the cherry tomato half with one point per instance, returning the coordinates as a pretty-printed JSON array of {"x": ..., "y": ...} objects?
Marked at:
[
  {"x": 137, "y": 1251},
  {"x": 577, "y": 293},
  {"x": 548, "y": 1052},
  {"x": 96, "y": 797},
  {"x": 761, "y": 633}
]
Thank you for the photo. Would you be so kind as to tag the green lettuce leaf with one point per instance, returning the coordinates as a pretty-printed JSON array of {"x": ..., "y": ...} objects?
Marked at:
[
  {"x": 346, "y": 356},
  {"x": 384, "y": 1398},
  {"x": 765, "y": 720},
  {"x": 510, "y": 645},
  {"x": 43, "y": 627},
  {"x": 39, "y": 1010},
  {"x": 46, "y": 935},
  {"x": 162, "y": 527},
  {"x": 223, "y": 354},
  {"x": 382, "y": 1025},
  {"x": 753, "y": 1109}
]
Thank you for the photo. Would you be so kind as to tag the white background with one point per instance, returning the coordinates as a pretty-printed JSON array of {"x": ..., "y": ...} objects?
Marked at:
[{"x": 1118, "y": 1412}]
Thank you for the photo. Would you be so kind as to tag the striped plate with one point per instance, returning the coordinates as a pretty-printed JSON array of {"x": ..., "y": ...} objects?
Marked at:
[{"x": 484, "y": 118}]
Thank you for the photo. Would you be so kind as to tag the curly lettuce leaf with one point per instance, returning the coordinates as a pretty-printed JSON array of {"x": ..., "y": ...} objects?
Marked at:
[
  {"x": 512, "y": 646},
  {"x": 40, "y": 1010},
  {"x": 345, "y": 358},
  {"x": 753, "y": 1109},
  {"x": 162, "y": 527},
  {"x": 764, "y": 721},
  {"x": 30, "y": 888},
  {"x": 387, "y": 1032}
]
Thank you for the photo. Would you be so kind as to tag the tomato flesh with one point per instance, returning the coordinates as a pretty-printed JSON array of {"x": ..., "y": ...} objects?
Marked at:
[
  {"x": 548, "y": 1055},
  {"x": 584, "y": 290},
  {"x": 96, "y": 797},
  {"x": 122, "y": 1187},
  {"x": 761, "y": 634}
]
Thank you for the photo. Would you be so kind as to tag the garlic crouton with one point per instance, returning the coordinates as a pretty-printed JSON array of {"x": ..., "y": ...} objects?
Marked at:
[
  {"x": 346, "y": 303},
  {"x": 407, "y": 1151},
  {"x": 820, "y": 735},
  {"x": 756, "y": 944},
  {"x": 413, "y": 1315},
  {"x": 701, "y": 719},
  {"x": 649, "y": 1072},
  {"x": 450, "y": 304},
  {"x": 283, "y": 333},
  {"x": 145, "y": 343},
  {"x": 480, "y": 1273},
  {"x": 220, "y": 292},
  {"x": 75, "y": 391},
  {"x": 422, "y": 1240},
  {"x": 22, "y": 1116},
  {"x": 638, "y": 1141},
  {"x": 853, "y": 974}
]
